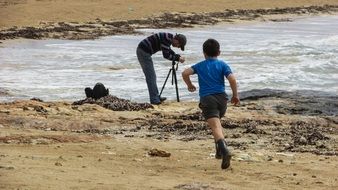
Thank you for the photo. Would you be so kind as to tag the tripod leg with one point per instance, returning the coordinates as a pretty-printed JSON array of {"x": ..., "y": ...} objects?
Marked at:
[
  {"x": 175, "y": 78},
  {"x": 165, "y": 82}
]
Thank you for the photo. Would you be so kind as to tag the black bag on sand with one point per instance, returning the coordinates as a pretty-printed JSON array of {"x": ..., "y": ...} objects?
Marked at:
[{"x": 97, "y": 92}]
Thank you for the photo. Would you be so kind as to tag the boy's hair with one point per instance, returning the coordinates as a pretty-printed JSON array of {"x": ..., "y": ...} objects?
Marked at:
[{"x": 211, "y": 47}]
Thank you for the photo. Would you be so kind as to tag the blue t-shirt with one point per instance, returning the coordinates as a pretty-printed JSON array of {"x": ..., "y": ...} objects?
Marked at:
[{"x": 211, "y": 73}]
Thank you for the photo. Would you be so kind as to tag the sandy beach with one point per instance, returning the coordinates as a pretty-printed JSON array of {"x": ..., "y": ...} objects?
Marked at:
[
  {"x": 59, "y": 145},
  {"x": 32, "y": 12},
  {"x": 89, "y": 19},
  {"x": 279, "y": 139}
]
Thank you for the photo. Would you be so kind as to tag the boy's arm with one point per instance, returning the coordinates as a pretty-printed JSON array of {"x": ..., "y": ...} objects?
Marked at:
[
  {"x": 233, "y": 85},
  {"x": 186, "y": 77}
]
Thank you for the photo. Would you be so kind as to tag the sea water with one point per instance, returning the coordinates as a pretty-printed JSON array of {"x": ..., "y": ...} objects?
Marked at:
[{"x": 298, "y": 55}]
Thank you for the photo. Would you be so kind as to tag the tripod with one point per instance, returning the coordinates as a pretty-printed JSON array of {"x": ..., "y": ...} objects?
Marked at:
[{"x": 173, "y": 79}]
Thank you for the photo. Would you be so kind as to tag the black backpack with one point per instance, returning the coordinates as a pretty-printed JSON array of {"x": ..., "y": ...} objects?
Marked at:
[{"x": 97, "y": 92}]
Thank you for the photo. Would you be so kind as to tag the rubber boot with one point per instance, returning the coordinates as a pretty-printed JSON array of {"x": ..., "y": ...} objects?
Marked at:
[
  {"x": 218, "y": 154},
  {"x": 226, "y": 156}
]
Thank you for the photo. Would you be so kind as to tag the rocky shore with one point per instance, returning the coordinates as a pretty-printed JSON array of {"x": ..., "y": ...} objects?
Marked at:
[
  {"x": 303, "y": 121},
  {"x": 99, "y": 27},
  {"x": 270, "y": 129}
]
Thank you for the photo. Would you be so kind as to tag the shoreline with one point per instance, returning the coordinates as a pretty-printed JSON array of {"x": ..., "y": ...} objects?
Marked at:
[{"x": 101, "y": 28}]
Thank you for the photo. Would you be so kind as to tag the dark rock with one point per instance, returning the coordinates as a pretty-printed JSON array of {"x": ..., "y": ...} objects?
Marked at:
[
  {"x": 302, "y": 102},
  {"x": 37, "y": 99},
  {"x": 115, "y": 103}
]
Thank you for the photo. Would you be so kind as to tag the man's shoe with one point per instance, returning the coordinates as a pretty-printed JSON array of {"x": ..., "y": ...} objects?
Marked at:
[
  {"x": 156, "y": 103},
  {"x": 162, "y": 99},
  {"x": 226, "y": 156}
]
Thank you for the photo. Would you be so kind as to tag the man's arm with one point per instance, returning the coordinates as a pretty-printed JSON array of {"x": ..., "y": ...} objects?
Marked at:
[
  {"x": 233, "y": 85},
  {"x": 186, "y": 77},
  {"x": 169, "y": 53}
]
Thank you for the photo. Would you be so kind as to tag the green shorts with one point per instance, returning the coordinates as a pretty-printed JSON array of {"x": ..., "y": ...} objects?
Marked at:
[{"x": 214, "y": 105}]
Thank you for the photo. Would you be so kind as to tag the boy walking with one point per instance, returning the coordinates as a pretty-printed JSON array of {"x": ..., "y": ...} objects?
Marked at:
[{"x": 213, "y": 99}]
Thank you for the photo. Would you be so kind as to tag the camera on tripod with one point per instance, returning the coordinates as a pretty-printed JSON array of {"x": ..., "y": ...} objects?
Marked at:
[{"x": 173, "y": 79}]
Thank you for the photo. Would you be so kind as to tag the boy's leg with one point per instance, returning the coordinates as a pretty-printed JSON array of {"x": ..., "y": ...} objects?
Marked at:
[
  {"x": 217, "y": 131},
  {"x": 216, "y": 128},
  {"x": 213, "y": 108}
]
